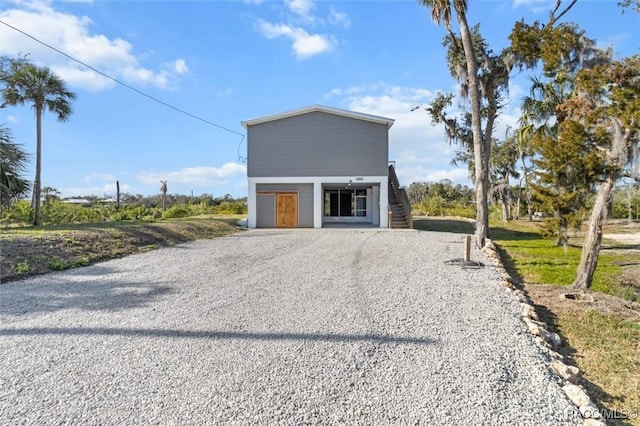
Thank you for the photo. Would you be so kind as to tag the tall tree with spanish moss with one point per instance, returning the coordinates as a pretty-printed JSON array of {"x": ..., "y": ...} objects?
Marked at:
[
  {"x": 25, "y": 83},
  {"x": 607, "y": 104},
  {"x": 442, "y": 14}
]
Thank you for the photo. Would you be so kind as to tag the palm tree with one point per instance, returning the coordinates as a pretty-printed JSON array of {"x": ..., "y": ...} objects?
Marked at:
[
  {"x": 163, "y": 190},
  {"x": 441, "y": 14},
  {"x": 26, "y": 83},
  {"x": 50, "y": 194},
  {"x": 13, "y": 161}
]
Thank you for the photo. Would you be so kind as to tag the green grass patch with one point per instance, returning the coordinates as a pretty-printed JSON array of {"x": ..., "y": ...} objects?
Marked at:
[
  {"x": 22, "y": 268},
  {"x": 606, "y": 350},
  {"x": 32, "y": 251},
  {"x": 456, "y": 226},
  {"x": 58, "y": 265},
  {"x": 540, "y": 261},
  {"x": 601, "y": 342}
]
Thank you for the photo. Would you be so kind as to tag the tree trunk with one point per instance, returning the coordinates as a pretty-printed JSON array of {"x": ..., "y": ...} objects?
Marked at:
[
  {"x": 37, "y": 184},
  {"x": 527, "y": 190},
  {"x": 563, "y": 235},
  {"x": 505, "y": 209},
  {"x": 117, "y": 195},
  {"x": 593, "y": 239},
  {"x": 480, "y": 150},
  {"x": 615, "y": 160},
  {"x": 509, "y": 203},
  {"x": 518, "y": 202}
]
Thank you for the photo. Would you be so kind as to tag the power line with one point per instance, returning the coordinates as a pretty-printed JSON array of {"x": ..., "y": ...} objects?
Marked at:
[{"x": 153, "y": 98}]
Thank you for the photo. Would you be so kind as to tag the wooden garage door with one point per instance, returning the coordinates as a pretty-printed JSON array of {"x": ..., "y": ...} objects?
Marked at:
[{"x": 286, "y": 210}]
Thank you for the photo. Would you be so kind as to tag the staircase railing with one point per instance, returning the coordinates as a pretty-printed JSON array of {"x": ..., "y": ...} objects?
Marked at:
[
  {"x": 400, "y": 194},
  {"x": 406, "y": 204}
]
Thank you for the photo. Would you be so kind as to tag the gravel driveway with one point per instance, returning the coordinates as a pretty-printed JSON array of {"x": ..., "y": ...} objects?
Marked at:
[{"x": 306, "y": 326}]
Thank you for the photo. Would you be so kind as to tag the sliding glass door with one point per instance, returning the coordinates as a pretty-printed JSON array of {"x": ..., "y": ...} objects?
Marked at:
[{"x": 343, "y": 204}]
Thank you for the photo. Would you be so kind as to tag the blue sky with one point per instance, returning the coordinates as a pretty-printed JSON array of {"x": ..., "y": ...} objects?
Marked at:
[{"x": 227, "y": 61}]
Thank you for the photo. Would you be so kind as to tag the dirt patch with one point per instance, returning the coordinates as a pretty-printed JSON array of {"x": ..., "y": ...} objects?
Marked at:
[
  {"x": 32, "y": 252},
  {"x": 553, "y": 300}
]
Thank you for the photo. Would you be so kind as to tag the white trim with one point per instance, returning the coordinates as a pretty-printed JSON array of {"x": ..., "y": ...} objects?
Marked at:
[
  {"x": 318, "y": 204},
  {"x": 375, "y": 213},
  {"x": 384, "y": 205},
  {"x": 319, "y": 179},
  {"x": 319, "y": 108},
  {"x": 251, "y": 205}
]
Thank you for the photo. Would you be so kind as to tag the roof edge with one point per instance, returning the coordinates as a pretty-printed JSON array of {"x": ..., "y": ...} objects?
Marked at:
[{"x": 319, "y": 108}]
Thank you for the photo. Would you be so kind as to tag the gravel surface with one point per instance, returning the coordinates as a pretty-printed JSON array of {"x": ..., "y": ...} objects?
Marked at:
[{"x": 305, "y": 326}]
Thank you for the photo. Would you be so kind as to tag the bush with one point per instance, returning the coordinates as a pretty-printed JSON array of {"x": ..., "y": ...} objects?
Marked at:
[
  {"x": 20, "y": 213},
  {"x": 176, "y": 212},
  {"x": 230, "y": 207},
  {"x": 58, "y": 213},
  {"x": 439, "y": 206},
  {"x": 134, "y": 213}
]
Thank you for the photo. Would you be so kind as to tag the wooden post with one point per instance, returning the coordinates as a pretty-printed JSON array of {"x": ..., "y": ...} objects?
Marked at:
[{"x": 467, "y": 248}]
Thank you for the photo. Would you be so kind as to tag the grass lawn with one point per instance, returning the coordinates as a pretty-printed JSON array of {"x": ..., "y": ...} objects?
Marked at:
[
  {"x": 602, "y": 337},
  {"x": 28, "y": 251},
  {"x": 539, "y": 261}
]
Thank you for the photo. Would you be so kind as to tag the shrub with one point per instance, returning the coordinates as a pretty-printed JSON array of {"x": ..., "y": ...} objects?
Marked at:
[
  {"x": 176, "y": 212},
  {"x": 58, "y": 213},
  {"x": 134, "y": 213},
  {"x": 20, "y": 213}
]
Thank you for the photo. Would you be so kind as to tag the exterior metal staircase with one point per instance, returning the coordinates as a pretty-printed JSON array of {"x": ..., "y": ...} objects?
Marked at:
[{"x": 399, "y": 205}]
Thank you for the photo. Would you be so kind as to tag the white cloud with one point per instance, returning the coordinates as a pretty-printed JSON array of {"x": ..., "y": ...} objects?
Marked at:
[
  {"x": 305, "y": 45},
  {"x": 408, "y": 175},
  {"x": 536, "y": 6},
  {"x": 107, "y": 189},
  {"x": 180, "y": 66},
  {"x": 195, "y": 176},
  {"x": 12, "y": 119},
  {"x": 84, "y": 78},
  {"x": 100, "y": 177},
  {"x": 339, "y": 18},
  {"x": 73, "y": 35},
  {"x": 302, "y": 8}
]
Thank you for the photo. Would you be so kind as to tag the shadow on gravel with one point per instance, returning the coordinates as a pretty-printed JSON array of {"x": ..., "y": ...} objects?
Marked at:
[
  {"x": 221, "y": 335},
  {"x": 61, "y": 293}
]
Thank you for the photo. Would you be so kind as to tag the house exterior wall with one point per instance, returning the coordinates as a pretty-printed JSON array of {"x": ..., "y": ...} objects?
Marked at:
[
  {"x": 315, "y": 183},
  {"x": 317, "y": 144},
  {"x": 265, "y": 212},
  {"x": 266, "y": 208}
]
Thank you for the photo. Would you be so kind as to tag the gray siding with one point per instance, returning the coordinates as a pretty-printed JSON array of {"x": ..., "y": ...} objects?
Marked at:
[
  {"x": 266, "y": 208},
  {"x": 317, "y": 144},
  {"x": 305, "y": 203}
]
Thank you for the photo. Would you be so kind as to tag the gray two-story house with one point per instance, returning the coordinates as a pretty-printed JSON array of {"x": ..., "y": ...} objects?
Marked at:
[{"x": 315, "y": 166}]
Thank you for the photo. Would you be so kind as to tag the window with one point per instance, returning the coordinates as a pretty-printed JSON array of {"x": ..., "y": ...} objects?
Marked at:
[{"x": 345, "y": 202}]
